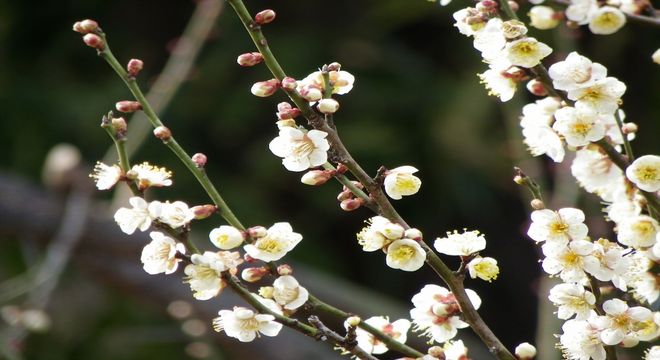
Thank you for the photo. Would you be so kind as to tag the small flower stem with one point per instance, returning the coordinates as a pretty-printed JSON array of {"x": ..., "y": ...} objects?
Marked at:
[
  {"x": 624, "y": 136},
  {"x": 391, "y": 344},
  {"x": 339, "y": 340},
  {"x": 124, "y": 163},
  {"x": 200, "y": 174},
  {"x": 529, "y": 183},
  {"x": 384, "y": 207},
  {"x": 351, "y": 186}
]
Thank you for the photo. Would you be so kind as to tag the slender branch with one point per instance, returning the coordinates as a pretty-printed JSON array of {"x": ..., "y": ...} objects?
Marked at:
[
  {"x": 341, "y": 341},
  {"x": 175, "y": 71},
  {"x": 200, "y": 174},
  {"x": 391, "y": 344},
  {"x": 385, "y": 208},
  {"x": 624, "y": 136}
]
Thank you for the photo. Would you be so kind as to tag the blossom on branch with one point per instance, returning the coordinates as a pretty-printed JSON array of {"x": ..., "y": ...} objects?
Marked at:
[
  {"x": 400, "y": 182},
  {"x": 463, "y": 244},
  {"x": 159, "y": 256},
  {"x": 397, "y": 330},
  {"x": 139, "y": 217},
  {"x": 105, "y": 177},
  {"x": 300, "y": 150},
  {"x": 278, "y": 241},
  {"x": 245, "y": 325}
]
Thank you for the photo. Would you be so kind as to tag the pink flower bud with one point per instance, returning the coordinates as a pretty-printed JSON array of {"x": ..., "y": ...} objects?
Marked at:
[
  {"x": 334, "y": 66},
  {"x": 283, "y": 106},
  {"x": 203, "y": 211},
  {"x": 345, "y": 195},
  {"x": 311, "y": 93},
  {"x": 629, "y": 128},
  {"x": 514, "y": 5},
  {"x": 248, "y": 258},
  {"x": 284, "y": 269},
  {"x": 256, "y": 232},
  {"x": 85, "y": 26},
  {"x": 250, "y": 59},
  {"x": 254, "y": 274},
  {"x": 265, "y": 88},
  {"x": 351, "y": 204},
  {"x": 316, "y": 177},
  {"x": 128, "y": 106},
  {"x": 413, "y": 234},
  {"x": 357, "y": 185},
  {"x": 536, "y": 87},
  {"x": 487, "y": 4},
  {"x": 288, "y": 114},
  {"x": 199, "y": 159},
  {"x": 264, "y": 16},
  {"x": 163, "y": 133},
  {"x": 341, "y": 168},
  {"x": 289, "y": 83},
  {"x": 94, "y": 41},
  {"x": 328, "y": 106},
  {"x": 134, "y": 66}
]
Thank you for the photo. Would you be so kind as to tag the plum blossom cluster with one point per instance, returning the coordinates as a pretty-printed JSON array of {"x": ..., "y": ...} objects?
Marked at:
[
  {"x": 578, "y": 262},
  {"x": 467, "y": 245},
  {"x": 397, "y": 330},
  {"x": 402, "y": 246}
]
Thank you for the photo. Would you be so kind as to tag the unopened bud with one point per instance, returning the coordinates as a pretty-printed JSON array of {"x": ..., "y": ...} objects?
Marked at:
[
  {"x": 254, "y": 274},
  {"x": 248, "y": 258},
  {"x": 316, "y": 177},
  {"x": 285, "y": 123},
  {"x": 256, "y": 232},
  {"x": 537, "y": 204},
  {"x": 163, "y": 133},
  {"x": 131, "y": 174},
  {"x": 85, "y": 26},
  {"x": 311, "y": 93},
  {"x": 518, "y": 180},
  {"x": 351, "y": 204},
  {"x": 334, "y": 66},
  {"x": 134, "y": 67},
  {"x": 119, "y": 126},
  {"x": 357, "y": 184},
  {"x": 487, "y": 6},
  {"x": 94, "y": 41},
  {"x": 128, "y": 106},
  {"x": 629, "y": 128},
  {"x": 289, "y": 83},
  {"x": 536, "y": 87},
  {"x": 328, "y": 106},
  {"x": 264, "y": 16},
  {"x": 353, "y": 321},
  {"x": 266, "y": 292},
  {"x": 413, "y": 234},
  {"x": 265, "y": 88},
  {"x": 284, "y": 269},
  {"x": 203, "y": 211},
  {"x": 513, "y": 5},
  {"x": 436, "y": 352},
  {"x": 344, "y": 195},
  {"x": 284, "y": 106},
  {"x": 525, "y": 351},
  {"x": 199, "y": 159},
  {"x": 513, "y": 29},
  {"x": 288, "y": 114},
  {"x": 249, "y": 59}
]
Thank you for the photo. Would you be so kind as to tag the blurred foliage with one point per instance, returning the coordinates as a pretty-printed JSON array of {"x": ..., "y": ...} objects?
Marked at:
[{"x": 416, "y": 101}]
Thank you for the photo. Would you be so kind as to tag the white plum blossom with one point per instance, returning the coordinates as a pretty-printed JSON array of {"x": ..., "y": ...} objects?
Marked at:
[
  {"x": 400, "y": 182},
  {"x": 455, "y": 350},
  {"x": 596, "y": 172},
  {"x": 279, "y": 240},
  {"x": 581, "y": 11},
  {"x": 105, "y": 177},
  {"x": 557, "y": 226},
  {"x": 204, "y": 274},
  {"x": 490, "y": 40},
  {"x": 342, "y": 81},
  {"x": 245, "y": 325},
  {"x": 575, "y": 71},
  {"x": 436, "y": 312},
  {"x": 607, "y": 20},
  {"x": 288, "y": 293},
  {"x": 300, "y": 150},
  {"x": 526, "y": 52},
  {"x": 603, "y": 96},
  {"x": 653, "y": 353},
  {"x": 500, "y": 83},
  {"x": 620, "y": 320},
  {"x": 608, "y": 262},
  {"x": 463, "y": 244},
  {"x": 539, "y": 136},
  {"x": 567, "y": 260},
  {"x": 397, "y": 330},
  {"x": 150, "y": 176},
  {"x": 139, "y": 217},
  {"x": 405, "y": 254},
  {"x": 461, "y": 23},
  {"x": 483, "y": 268},
  {"x": 578, "y": 126},
  {"x": 226, "y": 237},
  {"x": 176, "y": 214},
  {"x": 638, "y": 232},
  {"x": 159, "y": 256},
  {"x": 644, "y": 172},
  {"x": 543, "y": 17},
  {"x": 379, "y": 233},
  {"x": 656, "y": 56},
  {"x": 572, "y": 299},
  {"x": 581, "y": 340},
  {"x": 625, "y": 202}
]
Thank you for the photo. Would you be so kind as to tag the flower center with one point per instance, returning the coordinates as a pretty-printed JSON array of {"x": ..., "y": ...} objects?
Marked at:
[
  {"x": 269, "y": 245},
  {"x": 581, "y": 128},
  {"x": 558, "y": 228},
  {"x": 644, "y": 228},
  {"x": 647, "y": 173},
  {"x": 304, "y": 147},
  {"x": 403, "y": 253}
]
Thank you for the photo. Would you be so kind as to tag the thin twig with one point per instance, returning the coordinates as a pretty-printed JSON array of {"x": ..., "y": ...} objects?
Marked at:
[{"x": 339, "y": 340}]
